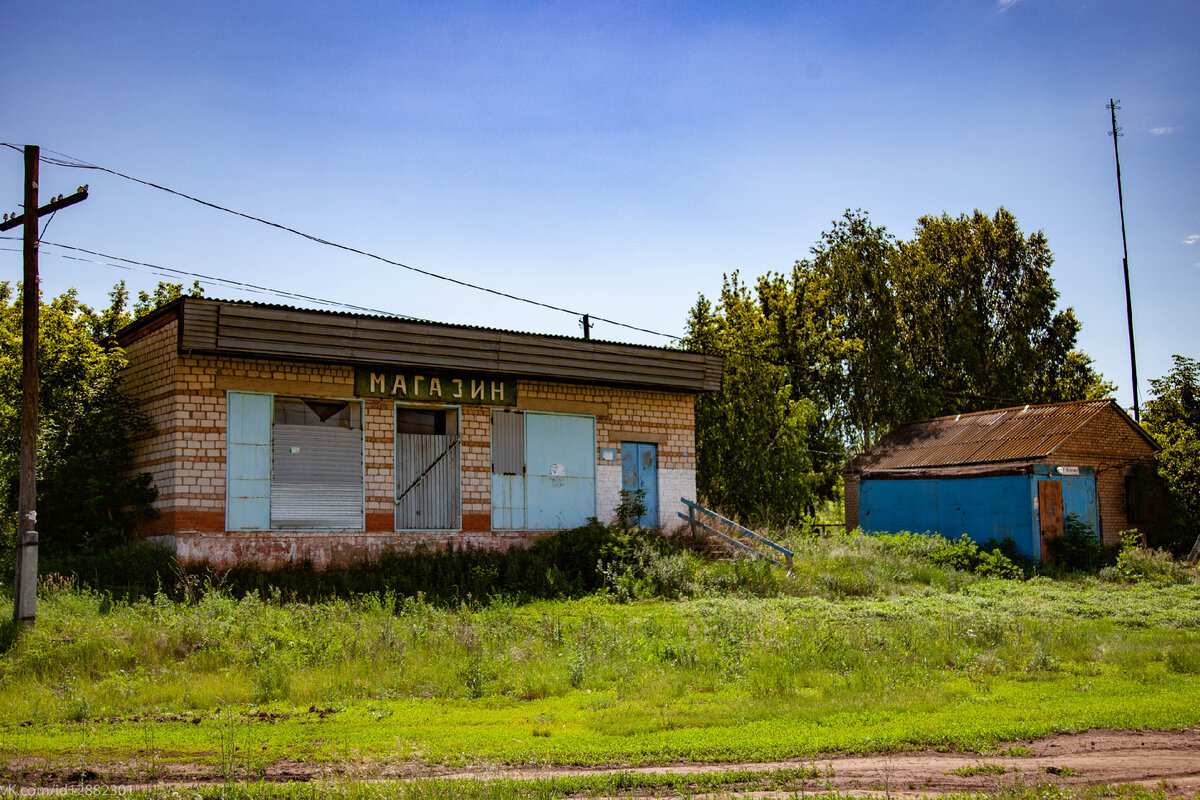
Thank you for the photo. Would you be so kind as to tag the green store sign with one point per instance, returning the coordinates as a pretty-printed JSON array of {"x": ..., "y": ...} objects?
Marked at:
[{"x": 435, "y": 387}]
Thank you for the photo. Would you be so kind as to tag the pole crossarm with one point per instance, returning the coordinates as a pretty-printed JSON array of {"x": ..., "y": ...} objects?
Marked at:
[{"x": 49, "y": 208}]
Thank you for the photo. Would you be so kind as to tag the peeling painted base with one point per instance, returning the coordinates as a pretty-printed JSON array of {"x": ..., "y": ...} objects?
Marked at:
[{"x": 324, "y": 549}]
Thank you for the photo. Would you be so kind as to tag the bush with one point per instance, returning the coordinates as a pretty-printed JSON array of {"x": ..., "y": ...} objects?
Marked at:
[
  {"x": 1137, "y": 564},
  {"x": 960, "y": 554},
  {"x": 1078, "y": 549}
]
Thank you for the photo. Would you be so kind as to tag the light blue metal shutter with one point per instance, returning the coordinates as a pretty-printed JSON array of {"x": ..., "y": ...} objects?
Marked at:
[
  {"x": 1079, "y": 498},
  {"x": 560, "y": 470},
  {"x": 248, "y": 461},
  {"x": 508, "y": 470}
]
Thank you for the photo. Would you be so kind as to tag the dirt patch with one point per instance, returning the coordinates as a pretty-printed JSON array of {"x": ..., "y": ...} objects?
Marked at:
[{"x": 1167, "y": 760}]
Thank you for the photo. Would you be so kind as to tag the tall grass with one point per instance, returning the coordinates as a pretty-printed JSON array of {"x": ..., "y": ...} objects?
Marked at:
[{"x": 91, "y": 657}]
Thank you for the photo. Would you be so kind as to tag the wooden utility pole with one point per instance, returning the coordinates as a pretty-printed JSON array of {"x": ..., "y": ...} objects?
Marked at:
[{"x": 25, "y": 585}]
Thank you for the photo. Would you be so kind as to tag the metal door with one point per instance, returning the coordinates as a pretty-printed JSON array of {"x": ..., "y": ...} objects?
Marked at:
[
  {"x": 639, "y": 471},
  {"x": 560, "y": 470},
  {"x": 1050, "y": 515},
  {"x": 508, "y": 470},
  {"x": 1079, "y": 498},
  {"x": 428, "y": 476}
]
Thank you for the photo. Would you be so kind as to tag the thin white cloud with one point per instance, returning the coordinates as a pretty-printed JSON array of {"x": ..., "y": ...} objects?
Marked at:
[
  {"x": 1005, "y": 5},
  {"x": 1191, "y": 238},
  {"x": 1165, "y": 130}
]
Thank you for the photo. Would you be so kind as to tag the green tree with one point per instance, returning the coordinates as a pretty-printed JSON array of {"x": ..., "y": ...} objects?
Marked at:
[
  {"x": 981, "y": 327},
  {"x": 1173, "y": 419},
  {"x": 846, "y": 323},
  {"x": 754, "y": 452},
  {"x": 87, "y": 495}
]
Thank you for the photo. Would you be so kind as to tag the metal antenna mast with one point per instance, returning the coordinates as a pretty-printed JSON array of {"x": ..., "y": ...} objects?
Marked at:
[{"x": 1116, "y": 134}]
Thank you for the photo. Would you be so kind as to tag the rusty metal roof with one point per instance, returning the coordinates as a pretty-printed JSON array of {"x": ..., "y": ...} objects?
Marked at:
[{"x": 984, "y": 437}]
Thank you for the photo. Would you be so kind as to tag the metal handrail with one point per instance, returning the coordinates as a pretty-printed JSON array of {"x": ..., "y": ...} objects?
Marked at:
[
  {"x": 745, "y": 547},
  {"x": 690, "y": 517}
]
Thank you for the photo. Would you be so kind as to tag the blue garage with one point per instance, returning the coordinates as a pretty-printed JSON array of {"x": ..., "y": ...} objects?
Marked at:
[{"x": 1018, "y": 474}]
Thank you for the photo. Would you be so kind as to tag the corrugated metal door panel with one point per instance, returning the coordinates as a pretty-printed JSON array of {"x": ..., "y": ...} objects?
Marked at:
[
  {"x": 508, "y": 502},
  {"x": 248, "y": 461},
  {"x": 639, "y": 470},
  {"x": 560, "y": 470},
  {"x": 508, "y": 470},
  {"x": 508, "y": 443},
  {"x": 434, "y": 503},
  {"x": 317, "y": 478}
]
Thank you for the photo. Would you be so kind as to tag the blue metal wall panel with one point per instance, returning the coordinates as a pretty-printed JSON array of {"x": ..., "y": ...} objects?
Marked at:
[
  {"x": 988, "y": 509},
  {"x": 639, "y": 470},
  {"x": 560, "y": 470},
  {"x": 248, "y": 419}
]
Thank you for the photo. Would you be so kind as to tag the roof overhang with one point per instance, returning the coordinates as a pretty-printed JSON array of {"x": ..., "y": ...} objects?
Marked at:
[{"x": 219, "y": 327}]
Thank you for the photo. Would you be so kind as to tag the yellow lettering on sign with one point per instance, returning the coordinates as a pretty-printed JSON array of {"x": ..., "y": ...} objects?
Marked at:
[
  {"x": 435, "y": 387},
  {"x": 477, "y": 388},
  {"x": 380, "y": 379},
  {"x": 497, "y": 390},
  {"x": 457, "y": 382},
  {"x": 398, "y": 385},
  {"x": 417, "y": 384}
]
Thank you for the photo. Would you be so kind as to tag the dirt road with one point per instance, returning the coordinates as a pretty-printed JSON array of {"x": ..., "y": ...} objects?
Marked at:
[{"x": 1168, "y": 760}]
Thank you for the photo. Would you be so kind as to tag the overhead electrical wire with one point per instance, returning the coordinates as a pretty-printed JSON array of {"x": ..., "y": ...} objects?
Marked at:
[
  {"x": 62, "y": 160},
  {"x": 158, "y": 269}
]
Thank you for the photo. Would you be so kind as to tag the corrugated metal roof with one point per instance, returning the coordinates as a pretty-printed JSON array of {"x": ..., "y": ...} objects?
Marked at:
[
  {"x": 223, "y": 327},
  {"x": 984, "y": 437},
  {"x": 333, "y": 312}
]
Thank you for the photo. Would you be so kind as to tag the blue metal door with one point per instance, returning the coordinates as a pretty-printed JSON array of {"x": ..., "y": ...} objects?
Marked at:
[
  {"x": 639, "y": 471},
  {"x": 560, "y": 470},
  {"x": 1079, "y": 498}
]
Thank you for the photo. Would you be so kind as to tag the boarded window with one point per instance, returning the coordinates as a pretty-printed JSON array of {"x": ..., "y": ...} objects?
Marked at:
[{"x": 428, "y": 474}]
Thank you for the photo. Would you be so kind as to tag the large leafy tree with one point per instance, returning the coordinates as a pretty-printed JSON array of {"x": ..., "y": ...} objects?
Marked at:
[
  {"x": 755, "y": 439},
  {"x": 981, "y": 326},
  {"x": 1173, "y": 418},
  {"x": 845, "y": 300},
  {"x": 87, "y": 496}
]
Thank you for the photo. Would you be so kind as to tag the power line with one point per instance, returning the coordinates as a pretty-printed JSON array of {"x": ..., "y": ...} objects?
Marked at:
[
  {"x": 158, "y": 269},
  {"x": 62, "y": 160}
]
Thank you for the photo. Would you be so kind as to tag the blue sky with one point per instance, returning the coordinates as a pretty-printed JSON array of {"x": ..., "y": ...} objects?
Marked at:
[{"x": 612, "y": 158}]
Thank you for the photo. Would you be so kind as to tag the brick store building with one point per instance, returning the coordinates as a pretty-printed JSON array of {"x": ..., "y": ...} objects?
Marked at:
[
  {"x": 283, "y": 434},
  {"x": 1014, "y": 473}
]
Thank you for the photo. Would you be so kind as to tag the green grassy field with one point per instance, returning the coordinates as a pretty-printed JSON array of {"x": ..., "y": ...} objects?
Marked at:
[{"x": 861, "y": 649}]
